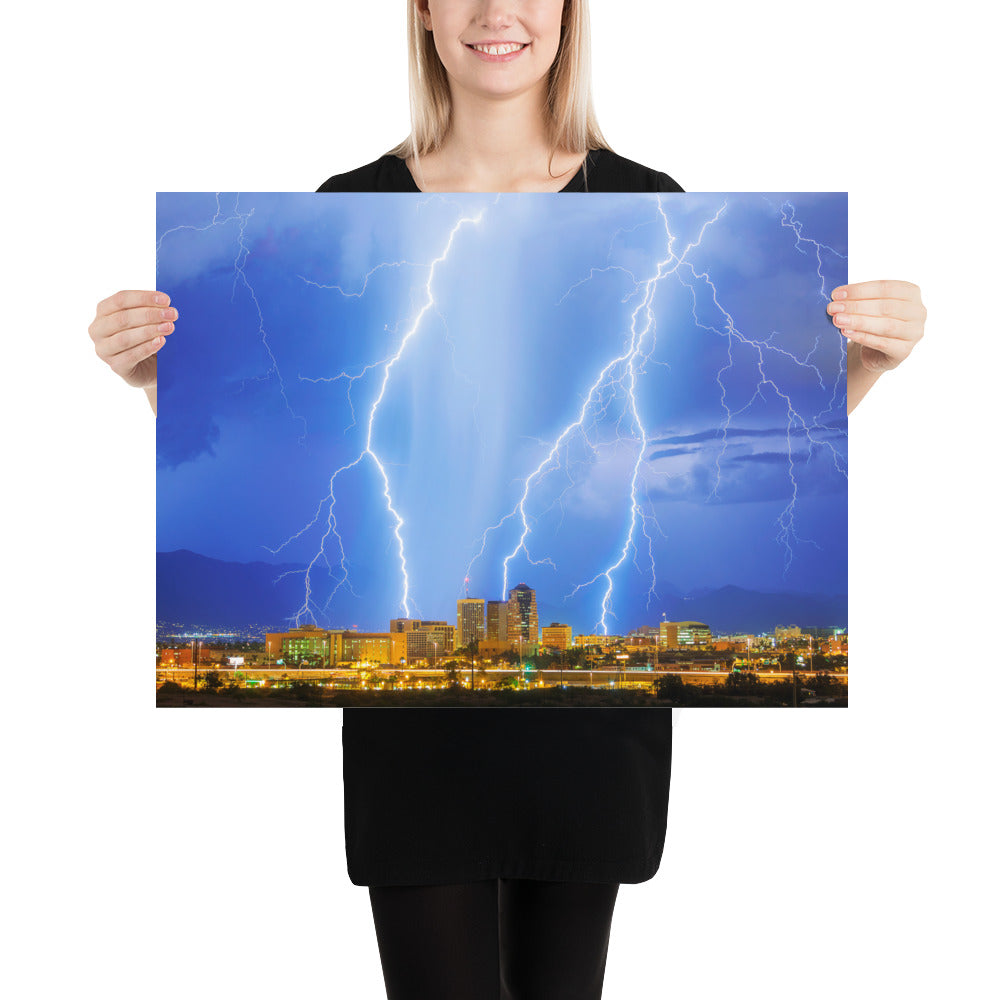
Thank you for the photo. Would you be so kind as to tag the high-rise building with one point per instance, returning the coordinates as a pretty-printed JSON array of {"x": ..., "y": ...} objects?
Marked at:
[
  {"x": 496, "y": 621},
  {"x": 471, "y": 620},
  {"x": 668, "y": 635},
  {"x": 522, "y": 615}
]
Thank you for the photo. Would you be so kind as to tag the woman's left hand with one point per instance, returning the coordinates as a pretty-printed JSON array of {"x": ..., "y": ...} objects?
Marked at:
[{"x": 884, "y": 318}]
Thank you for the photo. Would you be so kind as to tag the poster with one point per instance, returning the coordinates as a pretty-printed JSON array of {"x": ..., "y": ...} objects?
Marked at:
[{"x": 502, "y": 449}]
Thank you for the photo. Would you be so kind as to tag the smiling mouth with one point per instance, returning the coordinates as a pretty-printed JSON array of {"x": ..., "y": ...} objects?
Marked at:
[{"x": 504, "y": 49}]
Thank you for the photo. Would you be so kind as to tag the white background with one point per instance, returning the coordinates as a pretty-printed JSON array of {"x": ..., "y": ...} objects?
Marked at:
[{"x": 200, "y": 854}]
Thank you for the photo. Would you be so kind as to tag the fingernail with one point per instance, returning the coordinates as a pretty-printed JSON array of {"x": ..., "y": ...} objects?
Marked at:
[
  {"x": 835, "y": 307},
  {"x": 840, "y": 293},
  {"x": 165, "y": 327},
  {"x": 160, "y": 299}
]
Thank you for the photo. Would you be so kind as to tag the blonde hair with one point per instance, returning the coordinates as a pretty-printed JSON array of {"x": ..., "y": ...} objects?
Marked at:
[{"x": 572, "y": 123}]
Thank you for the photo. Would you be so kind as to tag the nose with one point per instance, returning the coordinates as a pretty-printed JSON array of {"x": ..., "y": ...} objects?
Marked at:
[{"x": 496, "y": 14}]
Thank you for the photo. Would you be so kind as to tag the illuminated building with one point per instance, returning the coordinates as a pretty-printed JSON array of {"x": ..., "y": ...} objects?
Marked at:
[
  {"x": 823, "y": 631},
  {"x": 397, "y": 647},
  {"x": 367, "y": 647},
  {"x": 668, "y": 635},
  {"x": 642, "y": 638},
  {"x": 425, "y": 640},
  {"x": 693, "y": 634},
  {"x": 677, "y": 635},
  {"x": 730, "y": 645},
  {"x": 649, "y": 632},
  {"x": 522, "y": 615},
  {"x": 176, "y": 657},
  {"x": 471, "y": 620},
  {"x": 496, "y": 621},
  {"x": 557, "y": 636},
  {"x": 835, "y": 646},
  {"x": 308, "y": 642},
  {"x": 605, "y": 643},
  {"x": 782, "y": 632}
]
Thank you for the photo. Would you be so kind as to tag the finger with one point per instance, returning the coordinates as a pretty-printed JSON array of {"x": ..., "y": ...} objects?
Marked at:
[
  {"x": 130, "y": 319},
  {"x": 887, "y": 345},
  {"x": 129, "y": 300},
  {"x": 904, "y": 309},
  {"x": 881, "y": 326},
  {"x": 877, "y": 290},
  {"x": 109, "y": 348},
  {"x": 122, "y": 364}
]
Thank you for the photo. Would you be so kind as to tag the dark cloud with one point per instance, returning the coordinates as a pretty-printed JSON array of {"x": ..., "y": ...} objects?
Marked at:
[
  {"x": 753, "y": 478},
  {"x": 189, "y": 434},
  {"x": 751, "y": 433},
  {"x": 672, "y": 453},
  {"x": 771, "y": 457}
]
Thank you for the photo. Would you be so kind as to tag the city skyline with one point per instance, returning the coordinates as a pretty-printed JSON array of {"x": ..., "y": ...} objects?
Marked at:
[{"x": 495, "y": 623}]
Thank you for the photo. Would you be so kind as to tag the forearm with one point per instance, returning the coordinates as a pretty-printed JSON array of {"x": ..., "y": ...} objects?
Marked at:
[
  {"x": 150, "y": 391},
  {"x": 859, "y": 378}
]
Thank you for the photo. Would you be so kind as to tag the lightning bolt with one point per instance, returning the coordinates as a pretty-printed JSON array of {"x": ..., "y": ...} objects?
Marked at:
[
  {"x": 796, "y": 423},
  {"x": 619, "y": 377},
  {"x": 610, "y": 416},
  {"x": 328, "y": 502}
]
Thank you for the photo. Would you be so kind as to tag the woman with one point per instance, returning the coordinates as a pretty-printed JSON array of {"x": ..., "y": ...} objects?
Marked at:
[{"x": 487, "y": 877}]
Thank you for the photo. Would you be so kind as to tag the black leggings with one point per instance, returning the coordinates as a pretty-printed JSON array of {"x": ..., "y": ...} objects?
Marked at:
[{"x": 501, "y": 939}]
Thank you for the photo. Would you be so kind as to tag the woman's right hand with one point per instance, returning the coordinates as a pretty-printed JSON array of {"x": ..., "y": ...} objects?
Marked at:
[{"x": 128, "y": 330}]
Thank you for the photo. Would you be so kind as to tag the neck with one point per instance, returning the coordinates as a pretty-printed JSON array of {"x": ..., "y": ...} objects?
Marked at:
[
  {"x": 494, "y": 144},
  {"x": 511, "y": 127}
]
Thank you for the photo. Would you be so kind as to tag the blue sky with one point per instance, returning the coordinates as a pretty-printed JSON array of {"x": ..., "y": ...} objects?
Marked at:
[{"x": 717, "y": 442}]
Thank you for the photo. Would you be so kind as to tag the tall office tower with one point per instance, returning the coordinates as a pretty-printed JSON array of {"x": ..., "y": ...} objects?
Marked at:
[
  {"x": 522, "y": 615},
  {"x": 471, "y": 621},
  {"x": 496, "y": 621},
  {"x": 668, "y": 635}
]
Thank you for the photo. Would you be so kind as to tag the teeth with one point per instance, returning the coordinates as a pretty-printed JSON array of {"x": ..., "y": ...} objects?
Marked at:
[{"x": 499, "y": 50}]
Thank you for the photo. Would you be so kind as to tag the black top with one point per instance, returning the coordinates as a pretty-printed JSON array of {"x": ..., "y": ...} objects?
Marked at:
[
  {"x": 605, "y": 171},
  {"x": 440, "y": 795}
]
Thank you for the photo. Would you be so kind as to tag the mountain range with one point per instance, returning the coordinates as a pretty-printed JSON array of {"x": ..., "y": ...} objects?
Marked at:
[{"x": 193, "y": 590}]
